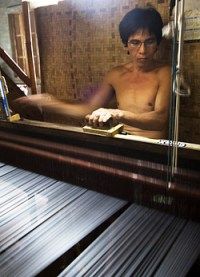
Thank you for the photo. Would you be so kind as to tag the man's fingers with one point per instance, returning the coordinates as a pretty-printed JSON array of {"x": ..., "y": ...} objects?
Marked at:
[
  {"x": 92, "y": 120},
  {"x": 97, "y": 121},
  {"x": 103, "y": 117}
]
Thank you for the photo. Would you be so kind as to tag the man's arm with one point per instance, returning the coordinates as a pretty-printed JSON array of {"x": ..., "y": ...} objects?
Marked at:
[
  {"x": 155, "y": 120},
  {"x": 50, "y": 103}
]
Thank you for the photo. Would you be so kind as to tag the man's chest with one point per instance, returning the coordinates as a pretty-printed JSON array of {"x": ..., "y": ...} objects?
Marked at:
[{"x": 137, "y": 91}]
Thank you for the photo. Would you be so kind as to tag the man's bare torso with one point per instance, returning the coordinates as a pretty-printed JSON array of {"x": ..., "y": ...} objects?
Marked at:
[{"x": 136, "y": 92}]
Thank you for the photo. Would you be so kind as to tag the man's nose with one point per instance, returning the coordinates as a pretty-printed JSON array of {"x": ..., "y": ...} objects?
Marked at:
[{"x": 142, "y": 48}]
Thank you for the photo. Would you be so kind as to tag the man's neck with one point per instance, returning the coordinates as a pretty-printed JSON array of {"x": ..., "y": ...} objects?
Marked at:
[{"x": 142, "y": 68}]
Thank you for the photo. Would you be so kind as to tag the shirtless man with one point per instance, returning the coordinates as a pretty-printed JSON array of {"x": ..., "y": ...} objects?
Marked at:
[{"x": 142, "y": 87}]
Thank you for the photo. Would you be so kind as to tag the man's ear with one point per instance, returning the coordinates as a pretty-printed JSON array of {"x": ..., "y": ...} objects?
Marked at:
[
  {"x": 126, "y": 48},
  {"x": 156, "y": 49}
]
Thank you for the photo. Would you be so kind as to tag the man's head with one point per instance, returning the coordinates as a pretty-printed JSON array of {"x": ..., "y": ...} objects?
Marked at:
[{"x": 141, "y": 19}]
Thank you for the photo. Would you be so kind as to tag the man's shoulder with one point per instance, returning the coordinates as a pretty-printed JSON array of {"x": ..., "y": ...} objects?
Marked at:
[
  {"x": 118, "y": 70},
  {"x": 163, "y": 68},
  {"x": 165, "y": 73}
]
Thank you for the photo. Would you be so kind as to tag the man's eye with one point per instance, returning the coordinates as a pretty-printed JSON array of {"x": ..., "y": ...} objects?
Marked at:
[
  {"x": 134, "y": 42},
  {"x": 150, "y": 41}
]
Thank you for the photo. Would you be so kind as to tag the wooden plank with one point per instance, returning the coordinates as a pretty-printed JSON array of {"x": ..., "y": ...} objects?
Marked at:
[
  {"x": 14, "y": 66},
  {"x": 29, "y": 46}
]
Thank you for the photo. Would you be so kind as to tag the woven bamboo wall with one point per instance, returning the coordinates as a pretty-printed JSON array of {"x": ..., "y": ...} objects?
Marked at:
[{"x": 79, "y": 43}]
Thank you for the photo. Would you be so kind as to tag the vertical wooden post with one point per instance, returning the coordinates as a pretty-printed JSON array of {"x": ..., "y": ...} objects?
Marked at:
[{"x": 29, "y": 45}]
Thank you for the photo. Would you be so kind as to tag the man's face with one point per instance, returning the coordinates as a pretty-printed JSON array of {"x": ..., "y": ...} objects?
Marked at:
[{"x": 142, "y": 46}]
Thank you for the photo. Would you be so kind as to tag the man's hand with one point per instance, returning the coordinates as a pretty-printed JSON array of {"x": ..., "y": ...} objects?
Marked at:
[
  {"x": 102, "y": 116},
  {"x": 31, "y": 107}
]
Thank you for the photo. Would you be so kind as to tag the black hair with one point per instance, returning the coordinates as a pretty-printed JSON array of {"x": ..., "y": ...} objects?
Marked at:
[{"x": 141, "y": 18}]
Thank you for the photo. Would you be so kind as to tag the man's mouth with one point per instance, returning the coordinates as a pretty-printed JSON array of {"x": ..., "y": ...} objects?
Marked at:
[{"x": 142, "y": 59}]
